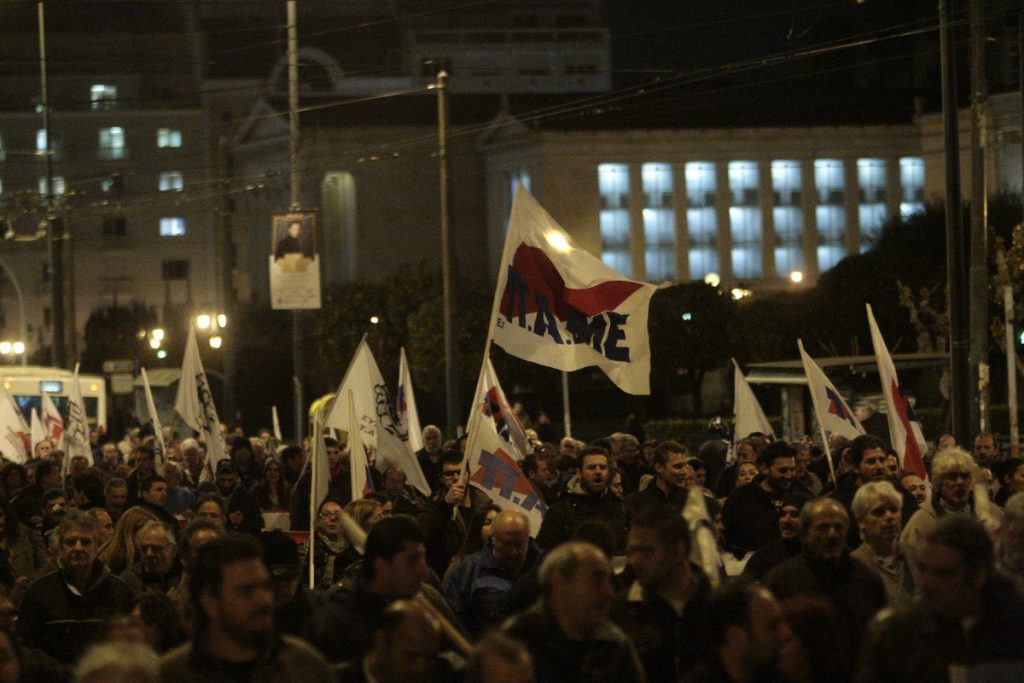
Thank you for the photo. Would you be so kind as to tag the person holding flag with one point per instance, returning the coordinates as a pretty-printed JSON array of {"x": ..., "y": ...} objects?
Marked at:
[{"x": 194, "y": 403}]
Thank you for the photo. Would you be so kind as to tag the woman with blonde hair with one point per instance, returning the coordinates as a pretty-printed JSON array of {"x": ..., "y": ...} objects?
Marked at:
[
  {"x": 121, "y": 552},
  {"x": 366, "y": 512}
]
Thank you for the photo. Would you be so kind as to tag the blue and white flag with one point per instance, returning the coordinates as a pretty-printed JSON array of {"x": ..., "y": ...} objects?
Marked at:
[{"x": 834, "y": 415}]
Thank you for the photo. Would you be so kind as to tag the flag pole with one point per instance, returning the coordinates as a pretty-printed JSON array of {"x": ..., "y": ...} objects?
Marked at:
[
  {"x": 315, "y": 439},
  {"x": 821, "y": 427},
  {"x": 566, "y": 416}
]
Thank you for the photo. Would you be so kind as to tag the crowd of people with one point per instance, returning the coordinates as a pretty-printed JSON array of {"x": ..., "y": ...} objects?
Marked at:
[{"x": 145, "y": 565}]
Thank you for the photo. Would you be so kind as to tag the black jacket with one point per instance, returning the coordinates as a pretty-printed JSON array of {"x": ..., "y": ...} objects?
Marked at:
[
  {"x": 61, "y": 621},
  {"x": 574, "y": 508},
  {"x": 751, "y": 517}
]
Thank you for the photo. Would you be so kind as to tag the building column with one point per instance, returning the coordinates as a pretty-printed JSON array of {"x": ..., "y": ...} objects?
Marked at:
[
  {"x": 766, "y": 199},
  {"x": 723, "y": 199},
  {"x": 852, "y": 183},
  {"x": 808, "y": 204},
  {"x": 680, "y": 203},
  {"x": 637, "y": 238}
]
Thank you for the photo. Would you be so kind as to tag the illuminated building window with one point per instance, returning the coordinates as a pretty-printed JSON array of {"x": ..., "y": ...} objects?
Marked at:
[
  {"x": 173, "y": 226},
  {"x": 103, "y": 97},
  {"x": 172, "y": 181},
  {"x": 58, "y": 186},
  {"x": 871, "y": 209},
  {"x": 830, "y": 183},
  {"x": 112, "y": 143},
  {"x": 912, "y": 185},
  {"x": 613, "y": 184},
  {"x": 701, "y": 218},
  {"x": 659, "y": 223},
  {"x": 788, "y": 216},
  {"x": 745, "y": 219},
  {"x": 168, "y": 137}
]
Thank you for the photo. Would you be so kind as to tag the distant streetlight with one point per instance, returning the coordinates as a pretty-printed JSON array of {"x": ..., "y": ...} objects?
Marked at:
[
  {"x": 216, "y": 341},
  {"x": 796, "y": 277},
  {"x": 712, "y": 279},
  {"x": 203, "y": 321},
  {"x": 374, "y": 320},
  {"x": 740, "y": 293}
]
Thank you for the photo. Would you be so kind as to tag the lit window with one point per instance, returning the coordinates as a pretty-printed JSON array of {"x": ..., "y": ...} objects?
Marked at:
[
  {"x": 58, "y": 186},
  {"x": 112, "y": 143},
  {"x": 830, "y": 183},
  {"x": 168, "y": 137},
  {"x": 519, "y": 177},
  {"x": 659, "y": 222},
  {"x": 103, "y": 97},
  {"x": 172, "y": 181},
  {"x": 701, "y": 219},
  {"x": 871, "y": 210},
  {"x": 172, "y": 227},
  {"x": 788, "y": 216},
  {"x": 912, "y": 186},
  {"x": 745, "y": 219},
  {"x": 41, "y": 140},
  {"x": 613, "y": 184}
]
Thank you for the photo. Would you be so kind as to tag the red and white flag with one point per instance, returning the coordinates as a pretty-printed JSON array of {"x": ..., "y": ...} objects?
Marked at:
[
  {"x": 493, "y": 456},
  {"x": 405, "y": 405},
  {"x": 36, "y": 429},
  {"x": 748, "y": 415},
  {"x": 904, "y": 429},
  {"x": 559, "y": 306},
  {"x": 14, "y": 433},
  {"x": 53, "y": 423}
]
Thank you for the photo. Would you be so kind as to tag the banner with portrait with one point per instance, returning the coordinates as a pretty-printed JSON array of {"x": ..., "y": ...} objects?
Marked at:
[{"x": 294, "y": 261}]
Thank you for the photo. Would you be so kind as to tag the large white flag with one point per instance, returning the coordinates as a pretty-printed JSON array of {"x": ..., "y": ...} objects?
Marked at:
[
  {"x": 155, "y": 419},
  {"x": 53, "y": 423},
  {"x": 375, "y": 411},
  {"x": 493, "y": 456},
  {"x": 405, "y": 405},
  {"x": 76, "y": 436},
  {"x": 194, "y": 403},
  {"x": 559, "y": 306},
  {"x": 834, "y": 415},
  {"x": 14, "y": 433},
  {"x": 749, "y": 416},
  {"x": 359, "y": 466},
  {"x": 904, "y": 429}
]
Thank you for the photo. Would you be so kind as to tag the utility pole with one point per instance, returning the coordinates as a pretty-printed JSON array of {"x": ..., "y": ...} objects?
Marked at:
[
  {"x": 293, "y": 165},
  {"x": 54, "y": 225},
  {"x": 956, "y": 266},
  {"x": 979, "y": 332},
  {"x": 451, "y": 389}
]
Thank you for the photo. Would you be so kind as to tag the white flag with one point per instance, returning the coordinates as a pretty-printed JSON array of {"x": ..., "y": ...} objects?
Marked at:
[
  {"x": 320, "y": 482},
  {"x": 155, "y": 419},
  {"x": 14, "y": 433},
  {"x": 557, "y": 305},
  {"x": 360, "y": 477},
  {"x": 37, "y": 431},
  {"x": 276, "y": 422},
  {"x": 194, "y": 403},
  {"x": 904, "y": 429},
  {"x": 493, "y": 457},
  {"x": 834, "y": 415},
  {"x": 405, "y": 405},
  {"x": 53, "y": 423},
  {"x": 375, "y": 412},
  {"x": 749, "y": 416},
  {"x": 76, "y": 436},
  {"x": 703, "y": 546}
]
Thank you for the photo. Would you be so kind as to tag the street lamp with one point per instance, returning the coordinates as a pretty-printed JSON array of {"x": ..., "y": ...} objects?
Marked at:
[
  {"x": 12, "y": 349},
  {"x": 212, "y": 323}
]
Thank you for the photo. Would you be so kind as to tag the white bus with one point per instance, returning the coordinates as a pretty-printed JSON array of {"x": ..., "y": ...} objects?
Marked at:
[{"x": 26, "y": 383}]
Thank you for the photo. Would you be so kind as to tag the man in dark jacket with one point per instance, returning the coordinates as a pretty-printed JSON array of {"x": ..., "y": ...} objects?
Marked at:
[
  {"x": 965, "y": 614},
  {"x": 664, "y": 611},
  {"x": 787, "y": 545},
  {"x": 750, "y": 513},
  {"x": 670, "y": 462},
  {"x": 825, "y": 570},
  {"x": 242, "y": 508},
  {"x": 62, "y": 611},
  {"x": 586, "y": 498}
]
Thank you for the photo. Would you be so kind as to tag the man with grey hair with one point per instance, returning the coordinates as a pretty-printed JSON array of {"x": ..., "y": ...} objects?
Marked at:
[
  {"x": 499, "y": 659},
  {"x": 62, "y": 611},
  {"x": 568, "y": 631},
  {"x": 158, "y": 569},
  {"x": 429, "y": 457},
  {"x": 479, "y": 588},
  {"x": 118, "y": 662},
  {"x": 952, "y": 484},
  {"x": 824, "y": 570},
  {"x": 876, "y": 507}
]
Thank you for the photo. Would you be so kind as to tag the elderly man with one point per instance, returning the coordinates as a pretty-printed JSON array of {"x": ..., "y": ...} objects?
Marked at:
[
  {"x": 664, "y": 611},
  {"x": 481, "y": 584},
  {"x": 967, "y": 614},
  {"x": 429, "y": 457},
  {"x": 824, "y": 570},
  {"x": 62, "y": 611},
  {"x": 952, "y": 479},
  {"x": 159, "y": 569},
  {"x": 499, "y": 659},
  {"x": 876, "y": 507},
  {"x": 568, "y": 631},
  {"x": 234, "y": 637}
]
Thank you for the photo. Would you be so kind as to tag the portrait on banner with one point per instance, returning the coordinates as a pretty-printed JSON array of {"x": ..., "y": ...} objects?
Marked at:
[{"x": 294, "y": 261}]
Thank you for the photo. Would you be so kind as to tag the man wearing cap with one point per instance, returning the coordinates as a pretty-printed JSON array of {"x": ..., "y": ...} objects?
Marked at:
[{"x": 242, "y": 508}]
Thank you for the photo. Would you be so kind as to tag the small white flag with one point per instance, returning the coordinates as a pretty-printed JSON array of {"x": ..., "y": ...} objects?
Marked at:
[
  {"x": 748, "y": 413},
  {"x": 276, "y": 422},
  {"x": 76, "y": 436},
  {"x": 14, "y": 433},
  {"x": 155, "y": 419},
  {"x": 834, "y": 415},
  {"x": 194, "y": 403},
  {"x": 38, "y": 433},
  {"x": 359, "y": 467},
  {"x": 405, "y": 405},
  {"x": 53, "y": 423}
]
